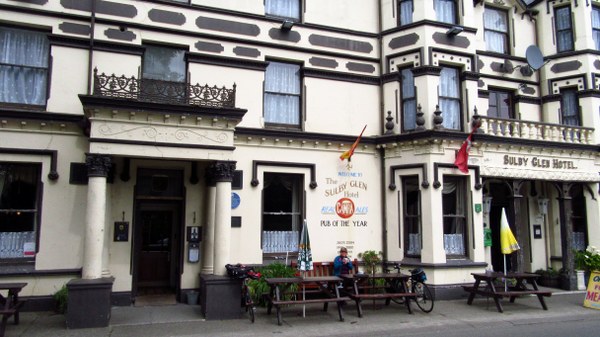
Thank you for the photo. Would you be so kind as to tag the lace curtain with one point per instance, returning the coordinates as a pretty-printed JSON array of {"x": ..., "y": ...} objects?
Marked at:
[
  {"x": 449, "y": 93},
  {"x": 495, "y": 27},
  {"x": 445, "y": 11},
  {"x": 23, "y": 66},
  {"x": 406, "y": 12},
  {"x": 282, "y": 93},
  {"x": 166, "y": 64},
  {"x": 570, "y": 108},
  {"x": 454, "y": 201},
  {"x": 283, "y": 240},
  {"x": 283, "y": 8}
]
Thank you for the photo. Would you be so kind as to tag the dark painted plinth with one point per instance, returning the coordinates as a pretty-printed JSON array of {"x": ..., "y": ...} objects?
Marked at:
[
  {"x": 220, "y": 297},
  {"x": 89, "y": 303}
]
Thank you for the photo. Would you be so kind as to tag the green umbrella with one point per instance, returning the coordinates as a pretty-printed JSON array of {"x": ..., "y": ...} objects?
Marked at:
[{"x": 304, "y": 258}]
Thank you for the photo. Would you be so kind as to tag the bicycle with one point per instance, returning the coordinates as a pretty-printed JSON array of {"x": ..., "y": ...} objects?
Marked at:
[
  {"x": 246, "y": 274},
  {"x": 416, "y": 284}
]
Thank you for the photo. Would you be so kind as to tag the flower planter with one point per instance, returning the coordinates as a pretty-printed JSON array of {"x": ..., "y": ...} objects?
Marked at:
[{"x": 550, "y": 281}]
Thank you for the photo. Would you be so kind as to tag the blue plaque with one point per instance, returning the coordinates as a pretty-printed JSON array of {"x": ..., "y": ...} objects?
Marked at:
[{"x": 235, "y": 200}]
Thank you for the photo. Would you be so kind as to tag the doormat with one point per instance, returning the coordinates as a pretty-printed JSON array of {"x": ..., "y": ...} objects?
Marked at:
[{"x": 155, "y": 300}]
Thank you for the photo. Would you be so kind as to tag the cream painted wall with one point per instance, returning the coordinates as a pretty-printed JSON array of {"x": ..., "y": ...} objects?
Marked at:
[
  {"x": 69, "y": 79},
  {"x": 335, "y": 106},
  {"x": 319, "y": 201},
  {"x": 357, "y": 15}
]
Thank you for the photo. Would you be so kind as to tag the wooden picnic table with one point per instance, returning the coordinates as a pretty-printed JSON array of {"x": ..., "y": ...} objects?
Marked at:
[
  {"x": 10, "y": 305},
  {"x": 362, "y": 287},
  {"x": 518, "y": 290},
  {"x": 327, "y": 291}
]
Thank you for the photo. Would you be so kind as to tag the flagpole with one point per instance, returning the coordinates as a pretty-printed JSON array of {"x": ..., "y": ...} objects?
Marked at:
[{"x": 505, "y": 287}]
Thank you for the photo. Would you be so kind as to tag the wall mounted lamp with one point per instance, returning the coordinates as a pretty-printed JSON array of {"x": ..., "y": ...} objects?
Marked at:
[
  {"x": 454, "y": 31},
  {"x": 487, "y": 204},
  {"x": 287, "y": 25},
  {"x": 543, "y": 205}
]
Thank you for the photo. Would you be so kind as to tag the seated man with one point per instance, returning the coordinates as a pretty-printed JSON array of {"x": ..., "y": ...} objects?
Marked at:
[{"x": 342, "y": 264}]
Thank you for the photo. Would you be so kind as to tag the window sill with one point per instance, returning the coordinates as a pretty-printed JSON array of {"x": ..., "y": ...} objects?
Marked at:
[{"x": 450, "y": 263}]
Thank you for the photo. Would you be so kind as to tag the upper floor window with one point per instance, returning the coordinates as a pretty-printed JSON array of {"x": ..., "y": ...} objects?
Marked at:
[
  {"x": 596, "y": 27},
  {"x": 19, "y": 203},
  {"x": 500, "y": 105},
  {"x": 454, "y": 206},
  {"x": 289, "y": 9},
  {"x": 411, "y": 204},
  {"x": 569, "y": 107},
  {"x": 405, "y": 12},
  {"x": 164, "y": 63},
  {"x": 495, "y": 25},
  {"x": 24, "y": 58},
  {"x": 449, "y": 98},
  {"x": 282, "y": 94},
  {"x": 564, "y": 29},
  {"x": 445, "y": 11},
  {"x": 409, "y": 102}
]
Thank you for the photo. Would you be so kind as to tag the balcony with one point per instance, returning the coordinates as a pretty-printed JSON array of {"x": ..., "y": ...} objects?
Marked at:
[
  {"x": 162, "y": 92},
  {"x": 512, "y": 128}
]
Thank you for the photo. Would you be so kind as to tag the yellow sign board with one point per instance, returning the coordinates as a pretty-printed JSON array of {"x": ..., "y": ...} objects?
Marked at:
[{"x": 592, "y": 296}]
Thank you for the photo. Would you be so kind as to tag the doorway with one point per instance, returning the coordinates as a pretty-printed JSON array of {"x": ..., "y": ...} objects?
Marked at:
[{"x": 500, "y": 194}]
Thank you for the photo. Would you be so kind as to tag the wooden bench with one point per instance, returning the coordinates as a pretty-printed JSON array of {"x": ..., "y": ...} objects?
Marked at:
[
  {"x": 11, "y": 304},
  {"x": 322, "y": 268}
]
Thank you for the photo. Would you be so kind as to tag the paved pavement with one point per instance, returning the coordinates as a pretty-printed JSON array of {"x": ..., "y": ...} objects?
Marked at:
[{"x": 378, "y": 320}]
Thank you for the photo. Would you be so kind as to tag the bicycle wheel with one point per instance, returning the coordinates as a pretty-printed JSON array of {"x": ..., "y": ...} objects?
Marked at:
[
  {"x": 396, "y": 287},
  {"x": 424, "y": 297},
  {"x": 250, "y": 308}
]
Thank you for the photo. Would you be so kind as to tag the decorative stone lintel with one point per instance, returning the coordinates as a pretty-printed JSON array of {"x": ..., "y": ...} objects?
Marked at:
[
  {"x": 221, "y": 171},
  {"x": 426, "y": 70},
  {"x": 469, "y": 76},
  {"x": 98, "y": 165}
]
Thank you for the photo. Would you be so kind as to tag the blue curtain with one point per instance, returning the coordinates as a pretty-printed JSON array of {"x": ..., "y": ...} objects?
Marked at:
[
  {"x": 596, "y": 27},
  {"x": 570, "y": 108},
  {"x": 564, "y": 35},
  {"x": 23, "y": 66},
  {"x": 409, "y": 108},
  {"x": 405, "y": 12},
  {"x": 283, "y": 8}
]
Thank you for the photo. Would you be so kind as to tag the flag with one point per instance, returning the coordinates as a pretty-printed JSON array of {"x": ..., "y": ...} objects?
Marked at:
[
  {"x": 508, "y": 243},
  {"x": 462, "y": 157},
  {"x": 348, "y": 154}
]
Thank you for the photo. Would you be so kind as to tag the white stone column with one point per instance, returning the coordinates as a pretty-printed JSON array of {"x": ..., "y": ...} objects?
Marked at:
[
  {"x": 208, "y": 239},
  {"x": 98, "y": 167},
  {"x": 222, "y": 173}
]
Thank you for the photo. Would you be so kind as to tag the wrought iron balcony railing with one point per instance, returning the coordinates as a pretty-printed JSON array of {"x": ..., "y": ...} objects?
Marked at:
[
  {"x": 164, "y": 92},
  {"x": 515, "y": 128}
]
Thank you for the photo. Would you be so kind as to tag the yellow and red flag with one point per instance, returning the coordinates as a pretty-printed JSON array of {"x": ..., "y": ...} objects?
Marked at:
[{"x": 348, "y": 154}]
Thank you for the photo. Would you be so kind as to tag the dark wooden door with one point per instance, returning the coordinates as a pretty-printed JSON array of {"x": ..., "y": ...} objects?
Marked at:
[{"x": 157, "y": 247}]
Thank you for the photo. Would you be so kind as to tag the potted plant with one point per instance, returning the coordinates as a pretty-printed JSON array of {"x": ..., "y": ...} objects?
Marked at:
[
  {"x": 61, "y": 297},
  {"x": 587, "y": 261},
  {"x": 371, "y": 259},
  {"x": 549, "y": 277}
]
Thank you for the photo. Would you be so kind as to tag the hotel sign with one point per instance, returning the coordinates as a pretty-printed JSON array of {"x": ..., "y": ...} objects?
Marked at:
[{"x": 539, "y": 162}]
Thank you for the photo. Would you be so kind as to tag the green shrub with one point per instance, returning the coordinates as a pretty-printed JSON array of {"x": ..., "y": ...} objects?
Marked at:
[
  {"x": 61, "y": 299},
  {"x": 259, "y": 287}
]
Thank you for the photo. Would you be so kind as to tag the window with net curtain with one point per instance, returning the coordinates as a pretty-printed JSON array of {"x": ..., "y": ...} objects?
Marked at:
[
  {"x": 164, "y": 63},
  {"x": 19, "y": 190},
  {"x": 564, "y": 29},
  {"x": 409, "y": 104},
  {"x": 282, "y": 94},
  {"x": 495, "y": 25},
  {"x": 411, "y": 205},
  {"x": 449, "y": 98},
  {"x": 454, "y": 206},
  {"x": 569, "y": 107},
  {"x": 405, "y": 12},
  {"x": 445, "y": 11},
  {"x": 24, "y": 58},
  {"x": 596, "y": 27},
  {"x": 289, "y": 9},
  {"x": 282, "y": 212}
]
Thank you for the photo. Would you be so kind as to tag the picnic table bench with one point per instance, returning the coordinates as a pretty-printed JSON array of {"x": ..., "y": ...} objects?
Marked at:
[
  {"x": 11, "y": 304},
  {"x": 520, "y": 289},
  {"x": 327, "y": 289}
]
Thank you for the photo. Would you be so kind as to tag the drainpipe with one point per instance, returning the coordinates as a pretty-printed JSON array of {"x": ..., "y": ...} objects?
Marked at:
[
  {"x": 91, "y": 50},
  {"x": 384, "y": 242}
]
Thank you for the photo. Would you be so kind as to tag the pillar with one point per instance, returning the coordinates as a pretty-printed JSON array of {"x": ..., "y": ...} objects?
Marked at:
[
  {"x": 208, "y": 239},
  {"x": 98, "y": 167},
  {"x": 566, "y": 235},
  {"x": 518, "y": 258},
  {"x": 222, "y": 173}
]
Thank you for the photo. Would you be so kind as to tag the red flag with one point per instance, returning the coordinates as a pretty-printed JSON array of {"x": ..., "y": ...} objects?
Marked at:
[
  {"x": 462, "y": 156},
  {"x": 348, "y": 154}
]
